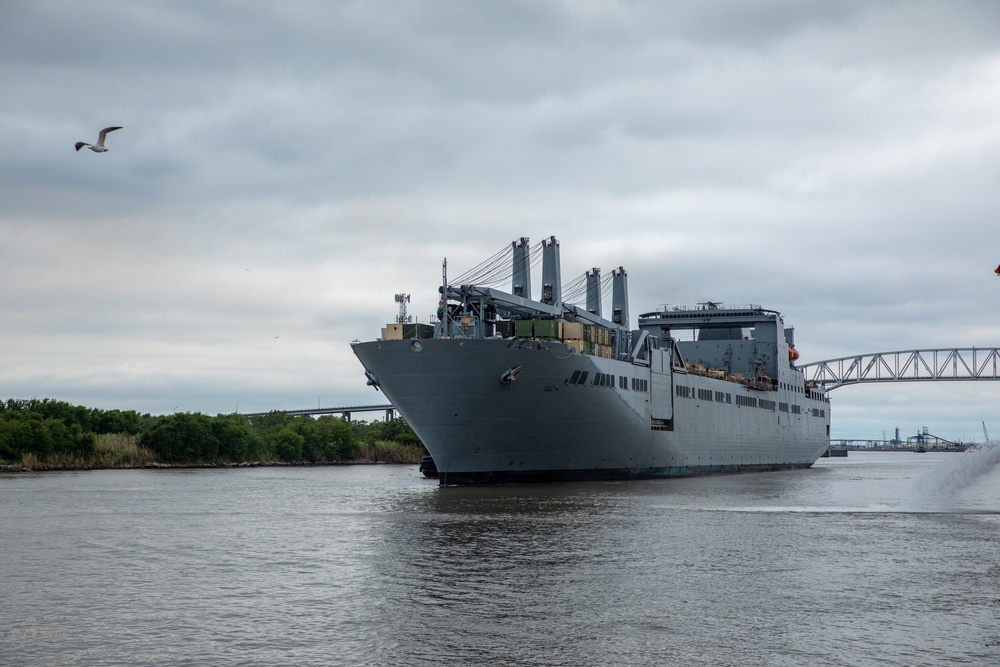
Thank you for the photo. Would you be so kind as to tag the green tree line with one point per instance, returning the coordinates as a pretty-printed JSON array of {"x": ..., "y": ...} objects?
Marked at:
[{"x": 50, "y": 433}]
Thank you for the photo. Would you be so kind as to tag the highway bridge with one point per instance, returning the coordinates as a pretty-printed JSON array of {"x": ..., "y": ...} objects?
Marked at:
[
  {"x": 345, "y": 412},
  {"x": 937, "y": 365},
  {"x": 941, "y": 364}
]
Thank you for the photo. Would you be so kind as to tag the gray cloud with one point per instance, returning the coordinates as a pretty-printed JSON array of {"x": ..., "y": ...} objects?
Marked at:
[{"x": 285, "y": 169}]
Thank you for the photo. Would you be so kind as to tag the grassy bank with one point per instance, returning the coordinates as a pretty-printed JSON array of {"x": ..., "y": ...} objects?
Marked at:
[
  {"x": 121, "y": 451},
  {"x": 53, "y": 435}
]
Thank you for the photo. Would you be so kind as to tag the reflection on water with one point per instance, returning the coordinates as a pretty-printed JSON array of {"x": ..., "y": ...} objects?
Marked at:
[
  {"x": 835, "y": 565},
  {"x": 704, "y": 568}
]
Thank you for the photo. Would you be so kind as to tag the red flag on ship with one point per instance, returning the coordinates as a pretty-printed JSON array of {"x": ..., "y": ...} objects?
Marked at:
[{"x": 997, "y": 271}]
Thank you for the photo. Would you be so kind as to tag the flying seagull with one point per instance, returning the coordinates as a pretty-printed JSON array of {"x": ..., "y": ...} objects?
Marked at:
[{"x": 99, "y": 146}]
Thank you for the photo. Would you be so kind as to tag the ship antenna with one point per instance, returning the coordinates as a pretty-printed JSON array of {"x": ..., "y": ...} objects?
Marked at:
[{"x": 402, "y": 300}]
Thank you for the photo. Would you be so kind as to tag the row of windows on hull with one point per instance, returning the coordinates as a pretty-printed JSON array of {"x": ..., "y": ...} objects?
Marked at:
[
  {"x": 642, "y": 385},
  {"x": 608, "y": 380},
  {"x": 746, "y": 401},
  {"x": 815, "y": 395}
]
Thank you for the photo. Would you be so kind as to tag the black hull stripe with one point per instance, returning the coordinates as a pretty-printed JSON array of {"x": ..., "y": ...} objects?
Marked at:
[{"x": 599, "y": 474}]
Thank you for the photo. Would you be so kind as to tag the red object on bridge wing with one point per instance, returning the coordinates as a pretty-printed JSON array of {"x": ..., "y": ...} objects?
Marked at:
[{"x": 997, "y": 271}]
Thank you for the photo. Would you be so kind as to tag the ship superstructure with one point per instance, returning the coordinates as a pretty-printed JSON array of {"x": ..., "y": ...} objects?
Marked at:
[{"x": 503, "y": 387}]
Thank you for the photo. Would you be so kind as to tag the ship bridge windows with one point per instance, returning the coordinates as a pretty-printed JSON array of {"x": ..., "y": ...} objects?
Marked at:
[
  {"x": 578, "y": 377},
  {"x": 604, "y": 380},
  {"x": 791, "y": 387},
  {"x": 638, "y": 384}
]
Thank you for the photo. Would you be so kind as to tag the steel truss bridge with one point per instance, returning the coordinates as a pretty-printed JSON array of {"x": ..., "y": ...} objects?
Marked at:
[
  {"x": 344, "y": 412},
  {"x": 946, "y": 364}
]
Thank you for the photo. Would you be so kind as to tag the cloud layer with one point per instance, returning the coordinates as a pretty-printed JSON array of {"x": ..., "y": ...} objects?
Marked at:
[{"x": 284, "y": 169}]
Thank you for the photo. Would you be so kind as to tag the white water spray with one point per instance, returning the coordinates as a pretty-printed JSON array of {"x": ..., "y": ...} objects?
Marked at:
[{"x": 957, "y": 473}]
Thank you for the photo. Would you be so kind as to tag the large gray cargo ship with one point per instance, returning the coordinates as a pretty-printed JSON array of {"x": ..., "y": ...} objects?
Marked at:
[{"x": 503, "y": 388}]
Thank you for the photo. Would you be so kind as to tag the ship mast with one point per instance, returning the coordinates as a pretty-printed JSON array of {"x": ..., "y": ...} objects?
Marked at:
[
  {"x": 444, "y": 297},
  {"x": 551, "y": 274},
  {"x": 521, "y": 283},
  {"x": 619, "y": 302},
  {"x": 594, "y": 291}
]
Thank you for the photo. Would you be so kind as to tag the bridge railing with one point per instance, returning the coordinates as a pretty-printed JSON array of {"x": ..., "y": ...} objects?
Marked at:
[{"x": 956, "y": 363}]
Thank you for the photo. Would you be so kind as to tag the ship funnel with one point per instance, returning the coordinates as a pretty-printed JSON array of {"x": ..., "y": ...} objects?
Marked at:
[
  {"x": 619, "y": 296},
  {"x": 522, "y": 268},
  {"x": 594, "y": 291},
  {"x": 551, "y": 281}
]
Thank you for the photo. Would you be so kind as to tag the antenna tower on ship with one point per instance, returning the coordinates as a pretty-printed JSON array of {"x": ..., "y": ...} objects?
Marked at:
[{"x": 402, "y": 300}]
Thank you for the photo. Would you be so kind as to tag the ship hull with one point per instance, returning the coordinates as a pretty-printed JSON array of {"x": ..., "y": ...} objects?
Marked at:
[{"x": 510, "y": 410}]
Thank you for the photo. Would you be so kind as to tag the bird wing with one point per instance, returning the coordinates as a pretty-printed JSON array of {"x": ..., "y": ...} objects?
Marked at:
[
  {"x": 104, "y": 133},
  {"x": 81, "y": 144}
]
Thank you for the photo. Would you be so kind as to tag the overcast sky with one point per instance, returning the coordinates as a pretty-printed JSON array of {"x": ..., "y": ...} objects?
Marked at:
[{"x": 286, "y": 167}]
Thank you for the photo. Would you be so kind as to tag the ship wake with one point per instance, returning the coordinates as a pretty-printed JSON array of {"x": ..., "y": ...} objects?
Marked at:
[{"x": 958, "y": 473}]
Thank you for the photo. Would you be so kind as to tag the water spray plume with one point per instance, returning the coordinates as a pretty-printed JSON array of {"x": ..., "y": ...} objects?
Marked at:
[{"x": 957, "y": 473}]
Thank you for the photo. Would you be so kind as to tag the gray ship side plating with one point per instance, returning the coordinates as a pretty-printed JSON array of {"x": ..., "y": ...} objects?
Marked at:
[{"x": 505, "y": 391}]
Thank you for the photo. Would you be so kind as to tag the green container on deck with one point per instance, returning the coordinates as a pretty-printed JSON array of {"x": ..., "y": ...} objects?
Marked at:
[
  {"x": 417, "y": 330},
  {"x": 547, "y": 329},
  {"x": 522, "y": 328}
]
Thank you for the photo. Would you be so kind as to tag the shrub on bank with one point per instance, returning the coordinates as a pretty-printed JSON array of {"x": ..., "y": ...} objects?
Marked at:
[
  {"x": 45, "y": 433},
  {"x": 192, "y": 437},
  {"x": 44, "y": 429}
]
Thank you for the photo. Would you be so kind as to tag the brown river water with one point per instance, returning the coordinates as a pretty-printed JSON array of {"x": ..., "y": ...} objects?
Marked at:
[{"x": 876, "y": 559}]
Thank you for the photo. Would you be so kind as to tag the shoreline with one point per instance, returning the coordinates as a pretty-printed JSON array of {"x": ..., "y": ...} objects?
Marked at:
[{"x": 18, "y": 468}]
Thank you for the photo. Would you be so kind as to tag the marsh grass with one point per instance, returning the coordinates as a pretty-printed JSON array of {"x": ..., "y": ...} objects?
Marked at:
[
  {"x": 31, "y": 462},
  {"x": 120, "y": 450},
  {"x": 111, "y": 450},
  {"x": 383, "y": 451},
  {"x": 54, "y": 462}
]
